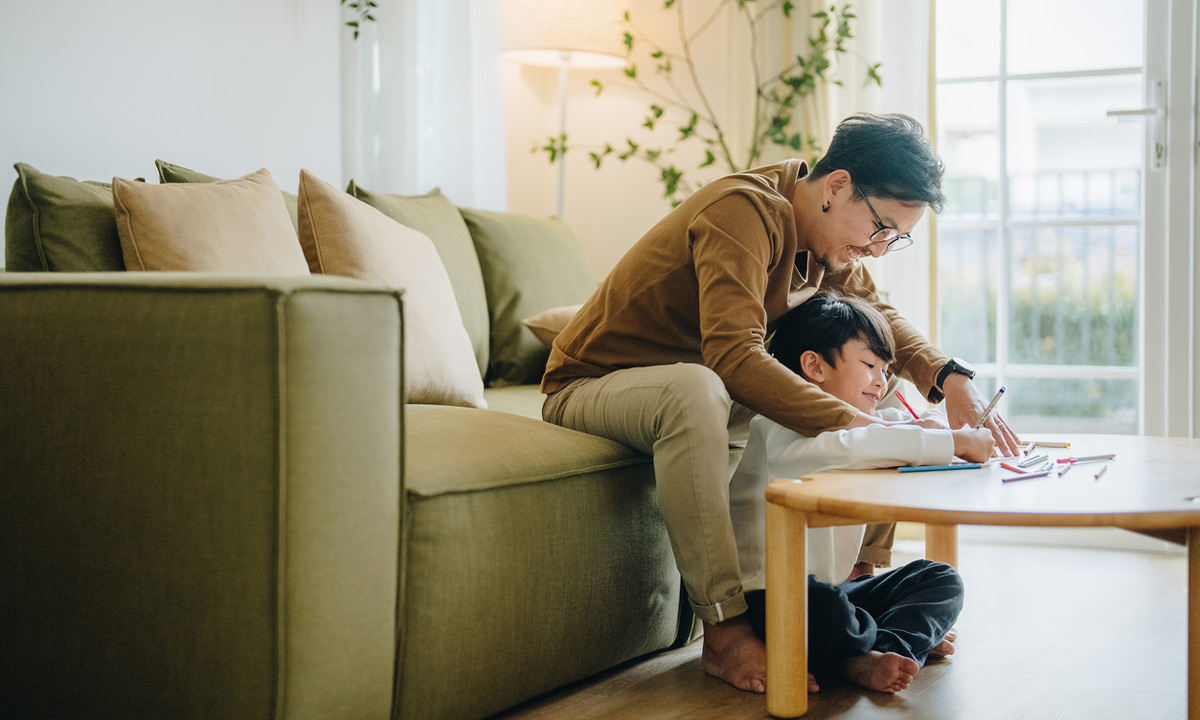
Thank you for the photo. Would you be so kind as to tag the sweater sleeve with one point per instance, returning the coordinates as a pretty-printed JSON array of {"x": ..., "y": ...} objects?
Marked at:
[
  {"x": 872, "y": 446},
  {"x": 733, "y": 260}
]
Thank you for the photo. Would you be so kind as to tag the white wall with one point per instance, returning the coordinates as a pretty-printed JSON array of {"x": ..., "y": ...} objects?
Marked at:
[{"x": 101, "y": 89}]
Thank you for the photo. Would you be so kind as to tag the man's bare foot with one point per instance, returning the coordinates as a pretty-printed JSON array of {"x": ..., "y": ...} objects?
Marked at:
[
  {"x": 734, "y": 653},
  {"x": 860, "y": 569},
  {"x": 945, "y": 647},
  {"x": 884, "y": 672},
  {"x": 812, "y": 683}
]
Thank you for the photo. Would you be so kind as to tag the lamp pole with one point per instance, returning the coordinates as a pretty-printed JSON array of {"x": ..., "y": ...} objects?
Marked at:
[{"x": 564, "y": 65}]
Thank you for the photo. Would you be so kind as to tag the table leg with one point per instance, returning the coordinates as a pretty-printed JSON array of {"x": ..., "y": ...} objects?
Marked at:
[
  {"x": 941, "y": 543},
  {"x": 1193, "y": 623},
  {"x": 787, "y": 612}
]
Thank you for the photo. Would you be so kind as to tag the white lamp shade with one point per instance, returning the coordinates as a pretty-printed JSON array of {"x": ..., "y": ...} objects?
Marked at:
[{"x": 583, "y": 33}]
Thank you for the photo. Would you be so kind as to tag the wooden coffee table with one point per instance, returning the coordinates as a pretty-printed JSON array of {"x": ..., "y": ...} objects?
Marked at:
[{"x": 1153, "y": 486}]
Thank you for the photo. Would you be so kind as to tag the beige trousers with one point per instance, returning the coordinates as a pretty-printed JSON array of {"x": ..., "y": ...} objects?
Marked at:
[{"x": 683, "y": 416}]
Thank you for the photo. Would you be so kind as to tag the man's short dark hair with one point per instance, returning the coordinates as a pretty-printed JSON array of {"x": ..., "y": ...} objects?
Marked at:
[
  {"x": 824, "y": 324},
  {"x": 887, "y": 156}
]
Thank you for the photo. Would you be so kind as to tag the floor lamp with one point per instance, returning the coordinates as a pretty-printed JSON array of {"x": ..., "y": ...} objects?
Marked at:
[{"x": 564, "y": 34}]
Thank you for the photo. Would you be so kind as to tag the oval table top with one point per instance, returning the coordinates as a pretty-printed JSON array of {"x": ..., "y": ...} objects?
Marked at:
[{"x": 1153, "y": 482}]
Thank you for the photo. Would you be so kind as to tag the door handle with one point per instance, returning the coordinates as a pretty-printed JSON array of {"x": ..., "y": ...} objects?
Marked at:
[{"x": 1156, "y": 114}]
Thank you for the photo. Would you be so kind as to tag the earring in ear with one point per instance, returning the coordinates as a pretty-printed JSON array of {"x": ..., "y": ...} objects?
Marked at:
[{"x": 825, "y": 207}]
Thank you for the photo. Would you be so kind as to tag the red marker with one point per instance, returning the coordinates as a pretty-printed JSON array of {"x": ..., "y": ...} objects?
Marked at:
[{"x": 906, "y": 405}]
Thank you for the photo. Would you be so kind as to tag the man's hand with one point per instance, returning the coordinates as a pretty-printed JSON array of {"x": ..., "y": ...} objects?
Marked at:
[
  {"x": 964, "y": 405},
  {"x": 973, "y": 445}
]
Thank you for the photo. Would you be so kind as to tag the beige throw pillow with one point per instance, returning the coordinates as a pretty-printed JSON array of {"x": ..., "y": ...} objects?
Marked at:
[
  {"x": 231, "y": 225},
  {"x": 548, "y": 324},
  {"x": 344, "y": 236}
]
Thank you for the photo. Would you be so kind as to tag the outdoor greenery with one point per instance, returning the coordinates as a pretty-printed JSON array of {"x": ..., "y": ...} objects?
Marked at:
[{"x": 680, "y": 105}]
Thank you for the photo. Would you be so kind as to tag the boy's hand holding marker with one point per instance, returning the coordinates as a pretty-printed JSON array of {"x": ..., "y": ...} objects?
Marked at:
[{"x": 973, "y": 445}]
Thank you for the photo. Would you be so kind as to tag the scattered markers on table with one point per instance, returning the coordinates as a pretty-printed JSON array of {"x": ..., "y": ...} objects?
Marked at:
[
  {"x": 1088, "y": 458},
  {"x": 1026, "y": 476},
  {"x": 1036, "y": 459}
]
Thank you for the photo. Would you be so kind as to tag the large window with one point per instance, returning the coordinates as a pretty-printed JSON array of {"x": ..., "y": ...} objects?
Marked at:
[{"x": 1039, "y": 247}]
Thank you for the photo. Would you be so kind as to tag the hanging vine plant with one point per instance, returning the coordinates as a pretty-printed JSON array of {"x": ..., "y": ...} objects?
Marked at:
[{"x": 363, "y": 10}]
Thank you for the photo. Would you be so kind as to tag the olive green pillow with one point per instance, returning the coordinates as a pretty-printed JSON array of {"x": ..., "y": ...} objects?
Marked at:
[
  {"x": 61, "y": 224},
  {"x": 171, "y": 173},
  {"x": 435, "y": 216},
  {"x": 529, "y": 266}
]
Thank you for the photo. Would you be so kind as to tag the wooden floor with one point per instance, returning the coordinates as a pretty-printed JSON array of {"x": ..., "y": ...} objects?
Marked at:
[{"x": 1047, "y": 634}]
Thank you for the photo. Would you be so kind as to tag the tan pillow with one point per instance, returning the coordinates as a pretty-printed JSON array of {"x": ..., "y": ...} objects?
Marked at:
[
  {"x": 231, "y": 225},
  {"x": 345, "y": 236},
  {"x": 548, "y": 324}
]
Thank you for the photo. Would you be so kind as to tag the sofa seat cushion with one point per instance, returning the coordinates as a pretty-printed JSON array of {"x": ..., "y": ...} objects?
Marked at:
[
  {"x": 451, "y": 449},
  {"x": 533, "y": 556}
]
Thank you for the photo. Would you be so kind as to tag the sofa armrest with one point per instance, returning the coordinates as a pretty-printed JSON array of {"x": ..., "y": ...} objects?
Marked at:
[{"x": 200, "y": 484}]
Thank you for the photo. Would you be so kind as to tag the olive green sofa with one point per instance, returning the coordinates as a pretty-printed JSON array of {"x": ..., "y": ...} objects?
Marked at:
[{"x": 215, "y": 502}]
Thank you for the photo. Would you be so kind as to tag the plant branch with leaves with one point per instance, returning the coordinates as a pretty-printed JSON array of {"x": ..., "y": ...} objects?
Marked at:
[
  {"x": 683, "y": 104},
  {"x": 363, "y": 14}
]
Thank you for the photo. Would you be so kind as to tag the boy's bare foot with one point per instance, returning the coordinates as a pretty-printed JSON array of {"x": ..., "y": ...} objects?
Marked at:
[
  {"x": 734, "y": 653},
  {"x": 812, "y": 683},
  {"x": 884, "y": 672},
  {"x": 945, "y": 647}
]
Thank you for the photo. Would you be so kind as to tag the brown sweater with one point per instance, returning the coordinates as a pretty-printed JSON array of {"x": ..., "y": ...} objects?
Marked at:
[{"x": 707, "y": 284}]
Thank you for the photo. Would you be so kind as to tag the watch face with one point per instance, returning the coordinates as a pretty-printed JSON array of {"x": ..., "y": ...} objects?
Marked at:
[{"x": 962, "y": 367}]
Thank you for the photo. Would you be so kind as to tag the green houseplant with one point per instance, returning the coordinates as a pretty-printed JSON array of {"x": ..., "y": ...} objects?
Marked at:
[{"x": 679, "y": 100}]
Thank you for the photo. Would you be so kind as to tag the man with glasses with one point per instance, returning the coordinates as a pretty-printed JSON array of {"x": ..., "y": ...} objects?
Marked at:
[{"x": 669, "y": 354}]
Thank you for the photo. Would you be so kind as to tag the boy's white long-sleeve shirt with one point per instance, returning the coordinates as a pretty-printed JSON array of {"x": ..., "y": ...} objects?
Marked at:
[{"x": 773, "y": 451}]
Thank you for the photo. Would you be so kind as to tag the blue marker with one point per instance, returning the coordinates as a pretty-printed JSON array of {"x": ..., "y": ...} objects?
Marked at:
[{"x": 932, "y": 468}]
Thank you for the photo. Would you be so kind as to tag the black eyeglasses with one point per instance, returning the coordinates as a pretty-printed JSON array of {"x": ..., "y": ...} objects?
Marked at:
[{"x": 889, "y": 237}]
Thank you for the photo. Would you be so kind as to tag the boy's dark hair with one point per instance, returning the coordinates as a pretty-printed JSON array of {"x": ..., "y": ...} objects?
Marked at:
[
  {"x": 824, "y": 324},
  {"x": 887, "y": 156}
]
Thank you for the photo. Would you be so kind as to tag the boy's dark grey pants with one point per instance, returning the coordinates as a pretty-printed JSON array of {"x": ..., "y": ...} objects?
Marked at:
[{"x": 907, "y": 611}]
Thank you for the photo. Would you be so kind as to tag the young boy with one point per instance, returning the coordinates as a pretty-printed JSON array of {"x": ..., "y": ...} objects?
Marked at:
[{"x": 874, "y": 631}]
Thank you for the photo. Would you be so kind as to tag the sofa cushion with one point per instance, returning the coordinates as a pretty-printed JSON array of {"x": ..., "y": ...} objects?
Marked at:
[
  {"x": 528, "y": 542},
  {"x": 229, "y": 225},
  {"x": 172, "y": 173},
  {"x": 60, "y": 223},
  {"x": 547, "y": 325},
  {"x": 344, "y": 236},
  {"x": 437, "y": 217},
  {"x": 529, "y": 265}
]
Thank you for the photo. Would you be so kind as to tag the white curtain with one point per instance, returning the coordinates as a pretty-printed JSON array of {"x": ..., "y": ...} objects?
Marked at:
[
  {"x": 422, "y": 105},
  {"x": 898, "y": 34}
]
